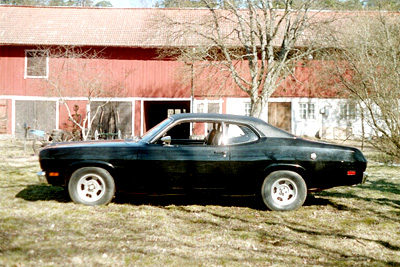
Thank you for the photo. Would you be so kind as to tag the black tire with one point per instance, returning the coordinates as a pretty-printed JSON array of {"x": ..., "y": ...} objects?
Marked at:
[
  {"x": 91, "y": 186},
  {"x": 284, "y": 191}
]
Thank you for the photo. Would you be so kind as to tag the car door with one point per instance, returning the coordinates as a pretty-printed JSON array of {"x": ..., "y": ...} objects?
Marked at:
[
  {"x": 247, "y": 158},
  {"x": 185, "y": 167},
  {"x": 185, "y": 163}
]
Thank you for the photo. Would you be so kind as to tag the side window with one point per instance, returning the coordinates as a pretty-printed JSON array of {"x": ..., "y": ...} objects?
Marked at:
[
  {"x": 36, "y": 64},
  {"x": 180, "y": 131},
  {"x": 209, "y": 133},
  {"x": 238, "y": 134},
  {"x": 188, "y": 133}
]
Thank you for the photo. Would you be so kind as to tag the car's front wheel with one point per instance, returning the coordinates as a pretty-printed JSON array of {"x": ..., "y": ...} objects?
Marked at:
[
  {"x": 284, "y": 191},
  {"x": 91, "y": 186}
]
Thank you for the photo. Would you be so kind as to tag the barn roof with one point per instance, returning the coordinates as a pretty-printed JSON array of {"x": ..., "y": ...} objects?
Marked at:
[
  {"x": 116, "y": 27},
  {"x": 22, "y": 25}
]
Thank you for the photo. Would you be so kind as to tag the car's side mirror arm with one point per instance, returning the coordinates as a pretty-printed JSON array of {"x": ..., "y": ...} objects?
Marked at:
[{"x": 166, "y": 140}]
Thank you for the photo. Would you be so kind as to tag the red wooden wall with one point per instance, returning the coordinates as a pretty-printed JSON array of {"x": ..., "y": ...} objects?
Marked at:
[{"x": 136, "y": 72}]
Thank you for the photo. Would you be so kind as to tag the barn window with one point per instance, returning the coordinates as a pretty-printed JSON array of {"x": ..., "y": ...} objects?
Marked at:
[
  {"x": 36, "y": 64},
  {"x": 208, "y": 106},
  {"x": 247, "y": 108},
  {"x": 347, "y": 111},
  {"x": 307, "y": 111},
  {"x": 200, "y": 108}
]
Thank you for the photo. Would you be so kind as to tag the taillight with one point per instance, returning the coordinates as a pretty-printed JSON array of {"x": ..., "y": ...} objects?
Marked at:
[{"x": 351, "y": 172}]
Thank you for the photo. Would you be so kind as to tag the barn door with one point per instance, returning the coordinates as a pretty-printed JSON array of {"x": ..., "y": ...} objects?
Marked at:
[
  {"x": 40, "y": 115},
  {"x": 112, "y": 118},
  {"x": 280, "y": 115}
]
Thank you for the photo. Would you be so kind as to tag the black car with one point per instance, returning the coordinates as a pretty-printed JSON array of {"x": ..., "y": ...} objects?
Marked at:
[{"x": 195, "y": 151}]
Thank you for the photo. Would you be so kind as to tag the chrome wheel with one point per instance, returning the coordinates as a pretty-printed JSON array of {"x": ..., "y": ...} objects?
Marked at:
[
  {"x": 284, "y": 191},
  {"x": 91, "y": 188}
]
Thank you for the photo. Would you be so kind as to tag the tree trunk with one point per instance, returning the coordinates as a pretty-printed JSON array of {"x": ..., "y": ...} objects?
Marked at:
[{"x": 260, "y": 108}]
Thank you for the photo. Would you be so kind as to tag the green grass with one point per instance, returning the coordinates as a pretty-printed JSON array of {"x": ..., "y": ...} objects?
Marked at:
[{"x": 344, "y": 226}]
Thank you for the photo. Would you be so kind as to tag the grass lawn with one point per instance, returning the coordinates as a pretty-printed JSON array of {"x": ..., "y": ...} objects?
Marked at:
[{"x": 344, "y": 226}]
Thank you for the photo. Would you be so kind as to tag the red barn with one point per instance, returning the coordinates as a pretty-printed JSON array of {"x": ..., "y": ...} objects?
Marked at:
[{"x": 121, "y": 65}]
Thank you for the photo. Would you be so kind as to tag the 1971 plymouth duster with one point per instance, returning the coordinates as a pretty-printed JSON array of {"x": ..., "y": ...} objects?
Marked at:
[{"x": 190, "y": 152}]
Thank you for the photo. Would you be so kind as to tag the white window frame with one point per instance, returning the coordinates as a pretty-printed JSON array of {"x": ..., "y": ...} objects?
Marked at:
[
  {"x": 201, "y": 106},
  {"x": 26, "y": 64},
  {"x": 307, "y": 111},
  {"x": 247, "y": 108},
  {"x": 347, "y": 111}
]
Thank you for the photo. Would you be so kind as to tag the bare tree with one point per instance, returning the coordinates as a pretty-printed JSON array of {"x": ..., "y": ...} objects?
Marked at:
[
  {"x": 368, "y": 67},
  {"x": 256, "y": 47},
  {"x": 79, "y": 72}
]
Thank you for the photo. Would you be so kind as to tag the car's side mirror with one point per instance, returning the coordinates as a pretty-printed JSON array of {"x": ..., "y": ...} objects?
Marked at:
[{"x": 166, "y": 140}]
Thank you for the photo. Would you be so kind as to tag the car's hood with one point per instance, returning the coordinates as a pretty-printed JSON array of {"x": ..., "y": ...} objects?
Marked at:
[{"x": 94, "y": 143}]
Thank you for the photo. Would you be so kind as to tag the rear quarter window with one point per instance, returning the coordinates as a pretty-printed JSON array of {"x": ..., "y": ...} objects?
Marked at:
[{"x": 239, "y": 134}]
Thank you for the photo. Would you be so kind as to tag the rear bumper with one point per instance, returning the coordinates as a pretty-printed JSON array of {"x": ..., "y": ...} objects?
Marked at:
[
  {"x": 42, "y": 177},
  {"x": 365, "y": 176}
]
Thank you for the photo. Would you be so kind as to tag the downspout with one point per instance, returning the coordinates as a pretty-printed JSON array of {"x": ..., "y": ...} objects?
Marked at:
[{"x": 192, "y": 88}]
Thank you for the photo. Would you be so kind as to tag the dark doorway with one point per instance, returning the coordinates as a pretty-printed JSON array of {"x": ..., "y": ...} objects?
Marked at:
[
  {"x": 156, "y": 111},
  {"x": 280, "y": 115}
]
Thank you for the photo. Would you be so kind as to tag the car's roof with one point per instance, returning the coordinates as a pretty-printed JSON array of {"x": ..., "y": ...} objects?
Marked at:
[{"x": 263, "y": 127}]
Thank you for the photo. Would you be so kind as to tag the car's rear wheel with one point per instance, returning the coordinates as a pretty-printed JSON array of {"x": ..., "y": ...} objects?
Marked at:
[
  {"x": 91, "y": 186},
  {"x": 284, "y": 191}
]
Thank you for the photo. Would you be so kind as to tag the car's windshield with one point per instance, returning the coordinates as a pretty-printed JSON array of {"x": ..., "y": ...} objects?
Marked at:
[{"x": 153, "y": 131}]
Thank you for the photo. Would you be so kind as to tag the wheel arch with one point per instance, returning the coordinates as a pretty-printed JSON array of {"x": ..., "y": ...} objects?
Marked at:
[
  {"x": 89, "y": 163},
  {"x": 286, "y": 167}
]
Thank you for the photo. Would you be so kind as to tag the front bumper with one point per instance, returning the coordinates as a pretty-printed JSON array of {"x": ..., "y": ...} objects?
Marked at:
[{"x": 42, "y": 177}]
